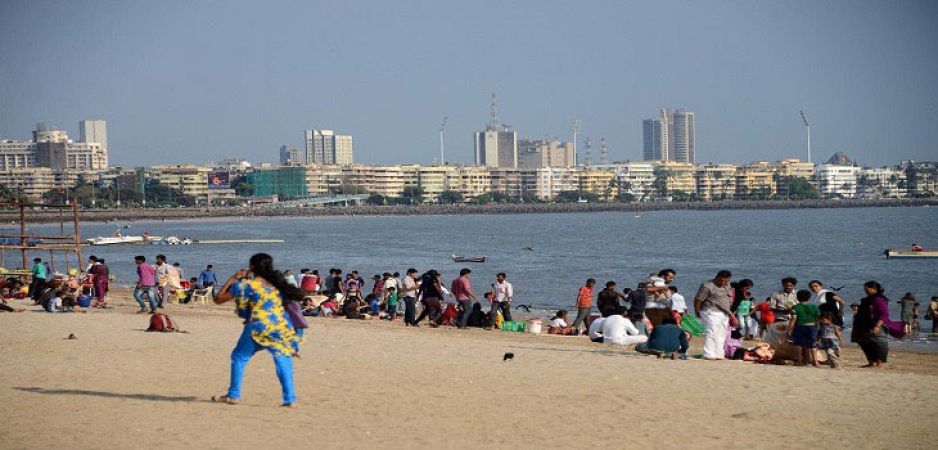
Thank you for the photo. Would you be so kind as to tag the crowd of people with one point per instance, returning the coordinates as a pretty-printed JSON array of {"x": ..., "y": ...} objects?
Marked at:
[{"x": 654, "y": 317}]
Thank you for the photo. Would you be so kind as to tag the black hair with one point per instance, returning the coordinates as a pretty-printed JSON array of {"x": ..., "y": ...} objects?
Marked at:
[
  {"x": 501, "y": 274},
  {"x": 209, "y": 266},
  {"x": 464, "y": 271},
  {"x": 803, "y": 295},
  {"x": 610, "y": 284},
  {"x": 636, "y": 316},
  {"x": 590, "y": 280},
  {"x": 672, "y": 289},
  {"x": 92, "y": 258},
  {"x": 262, "y": 265},
  {"x": 816, "y": 281},
  {"x": 101, "y": 260},
  {"x": 159, "y": 257},
  {"x": 791, "y": 280},
  {"x": 620, "y": 310},
  {"x": 37, "y": 259},
  {"x": 411, "y": 270},
  {"x": 560, "y": 313},
  {"x": 724, "y": 274},
  {"x": 315, "y": 272},
  {"x": 666, "y": 272},
  {"x": 827, "y": 315},
  {"x": 875, "y": 286},
  {"x": 668, "y": 320},
  {"x": 304, "y": 271},
  {"x": 140, "y": 258},
  {"x": 396, "y": 274}
]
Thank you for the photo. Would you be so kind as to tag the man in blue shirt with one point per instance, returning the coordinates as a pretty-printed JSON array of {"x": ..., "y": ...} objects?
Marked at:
[{"x": 207, "y": 279}]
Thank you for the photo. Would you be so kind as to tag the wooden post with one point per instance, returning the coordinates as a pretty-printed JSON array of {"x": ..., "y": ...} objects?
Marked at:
[
  {"x": 23, "y": 250},
  {"x": 77, "y": 233}
]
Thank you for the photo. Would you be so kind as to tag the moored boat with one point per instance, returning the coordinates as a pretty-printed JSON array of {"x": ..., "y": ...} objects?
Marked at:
[
  {"x": 910, "y": 253},
  {"x": 473, "y": 259}
]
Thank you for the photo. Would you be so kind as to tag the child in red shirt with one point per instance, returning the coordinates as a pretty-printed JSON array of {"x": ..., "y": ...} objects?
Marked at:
[{"x": 766, "y": 316}]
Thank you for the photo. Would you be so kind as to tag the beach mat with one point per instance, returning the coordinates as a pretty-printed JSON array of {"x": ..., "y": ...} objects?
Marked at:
[{"x": 692, "y": 325}]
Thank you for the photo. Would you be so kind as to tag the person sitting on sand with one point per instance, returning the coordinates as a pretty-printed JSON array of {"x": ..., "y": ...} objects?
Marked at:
[
  {"x": 619, "y": 330},
  {"x": 558, "y": 324},
  {"x": 329, "y": 307},
  {"x": 665, "y": 340},
  {"x": 596, "y": 330}
]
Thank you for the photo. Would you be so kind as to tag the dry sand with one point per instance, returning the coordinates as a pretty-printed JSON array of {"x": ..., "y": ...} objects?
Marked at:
[{"x": 365, "y": 384}]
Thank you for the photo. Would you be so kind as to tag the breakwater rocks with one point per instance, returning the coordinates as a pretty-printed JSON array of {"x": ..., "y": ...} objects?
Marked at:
[{"x": 101, "y": 215}]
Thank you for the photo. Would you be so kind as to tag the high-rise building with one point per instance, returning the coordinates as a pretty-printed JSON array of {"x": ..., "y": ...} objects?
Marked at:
[
  {"x": 326, "y": 147},
  {"x": 669, "y": 137},
  {"x": 655, "y": 136},
  {"x": 291, "y": 156},
  {"x": 537, "y": 153},
  {"x": 496, "y": 148},
  {"x": 93, "y": 131}
]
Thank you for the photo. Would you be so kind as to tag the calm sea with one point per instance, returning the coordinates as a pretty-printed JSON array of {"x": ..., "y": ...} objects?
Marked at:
[{"x": 547, "y": 257}]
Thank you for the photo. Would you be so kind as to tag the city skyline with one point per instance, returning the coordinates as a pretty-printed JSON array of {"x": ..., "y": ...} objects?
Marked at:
[{"x": 175, "y": 90}]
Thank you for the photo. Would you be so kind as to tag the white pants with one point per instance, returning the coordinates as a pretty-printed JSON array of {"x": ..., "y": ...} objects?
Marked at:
[
  {"x": 716, "y": 324},
  {"x": 628, "y": 340}
]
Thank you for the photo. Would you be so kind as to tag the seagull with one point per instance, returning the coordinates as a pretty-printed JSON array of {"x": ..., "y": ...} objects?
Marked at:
[
  {"x": 837, "y": 289},
  {"x": 526, "y": 308},
  {"x": 528, "y": 249}
]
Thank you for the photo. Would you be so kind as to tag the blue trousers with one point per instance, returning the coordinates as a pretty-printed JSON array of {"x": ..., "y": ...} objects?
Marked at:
[
  {"x": 242, "y": 354},
  {"x": 151, "y": 297}
]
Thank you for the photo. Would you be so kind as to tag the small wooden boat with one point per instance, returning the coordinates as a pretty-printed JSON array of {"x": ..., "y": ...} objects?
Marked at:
[
  {"x": 910, "y": 253},
  {"x": 476, "y": 259}
]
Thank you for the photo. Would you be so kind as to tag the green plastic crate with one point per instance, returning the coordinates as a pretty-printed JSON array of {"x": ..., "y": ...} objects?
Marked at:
[{"x": 514, "y": 326}]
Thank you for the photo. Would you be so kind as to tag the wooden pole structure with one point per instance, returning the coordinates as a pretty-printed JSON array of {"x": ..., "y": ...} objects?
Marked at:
[
  {"x": 23, "y": 250},
  {"x": 77, "y": 231}
]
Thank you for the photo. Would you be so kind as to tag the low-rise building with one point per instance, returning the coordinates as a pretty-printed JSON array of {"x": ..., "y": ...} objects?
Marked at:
[
  {"x": 883, "y": 182},
  {"x": 756, "y": 181},
  {"x": 675, "y": 178},
  {"x": 835, "y": 181},
  {"x": 715, "y": 181}
]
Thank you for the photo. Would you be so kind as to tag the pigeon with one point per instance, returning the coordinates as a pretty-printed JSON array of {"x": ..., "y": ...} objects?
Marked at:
[
  {"x": 526, "y": 308},
  {"x": 509, "y": 356}
]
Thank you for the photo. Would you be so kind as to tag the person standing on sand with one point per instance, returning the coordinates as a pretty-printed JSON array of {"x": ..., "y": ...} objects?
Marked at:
[
  {"x": 462, "y": 291},
  {"x": 39, "y": 274},
  {"x": 608, "y": 300},
  {"x": 658, "y": 305},
  {"x": 431, "y": 295},
  {"x": 409, "y": 287},
  {"x": 932, "y": 314},
  {"x": 259, "y": 300},
  {"x": 871, "y": 323},
  {"x": 502, "y": 294},
  {"x": 99, "y": 280},
  {"x": 162, "y": 279},
  {"x": 782, "y": 301},
  {"x": 584, "y": 303},
  {"x": 207, "y": 279},
  {"x": 712, "y": 305},
  {"x": 146, "y": 285}
]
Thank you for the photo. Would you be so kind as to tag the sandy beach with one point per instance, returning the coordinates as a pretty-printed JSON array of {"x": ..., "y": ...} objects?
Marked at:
[{"x": 374, "y": 384}]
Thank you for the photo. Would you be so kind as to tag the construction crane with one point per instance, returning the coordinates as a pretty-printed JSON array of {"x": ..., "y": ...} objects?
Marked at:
[
  {"x": 442, "y": 154},
  {"x": 807, "y": 127}
]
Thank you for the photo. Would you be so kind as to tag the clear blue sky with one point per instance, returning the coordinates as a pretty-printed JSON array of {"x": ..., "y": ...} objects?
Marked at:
[{"x": 198, "y": 81}]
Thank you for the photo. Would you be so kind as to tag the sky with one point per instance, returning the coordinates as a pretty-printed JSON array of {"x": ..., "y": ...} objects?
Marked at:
[{"x": 191, "y": 82}]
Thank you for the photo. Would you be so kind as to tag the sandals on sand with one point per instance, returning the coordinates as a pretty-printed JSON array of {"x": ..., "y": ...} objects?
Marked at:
[{"x": 225, "y": 399}]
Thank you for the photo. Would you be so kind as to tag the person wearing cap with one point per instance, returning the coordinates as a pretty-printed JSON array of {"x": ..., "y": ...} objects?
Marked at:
[
  {"x": 908, "y": 315},
  {"x": 40, "y": 274}
]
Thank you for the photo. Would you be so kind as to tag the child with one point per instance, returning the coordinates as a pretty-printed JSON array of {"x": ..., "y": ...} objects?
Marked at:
[
  {"x": 329, "y": 307},
  {"x": 742, "y": 314},
  {"x": 829, "y": 339},
  {"x": 558, "y": 324},
  {"x": 374, "y": 304},
  {"x": 766, "y": 316},
  {"x": 803, "y": 328},
  {"x": 392, "y": 303}
]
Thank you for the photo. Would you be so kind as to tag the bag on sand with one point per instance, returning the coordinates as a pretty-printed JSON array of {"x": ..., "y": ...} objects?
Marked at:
[{"x": 162, "y": 323}]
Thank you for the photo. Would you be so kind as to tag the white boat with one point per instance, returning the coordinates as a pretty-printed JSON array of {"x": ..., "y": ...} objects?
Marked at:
[
  {"x": 115, "y": 240},
  {"x": 910, "y": 253}
]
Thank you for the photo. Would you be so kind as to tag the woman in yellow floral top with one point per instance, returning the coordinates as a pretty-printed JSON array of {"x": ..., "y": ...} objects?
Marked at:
[{"x": 259, "y": 300}]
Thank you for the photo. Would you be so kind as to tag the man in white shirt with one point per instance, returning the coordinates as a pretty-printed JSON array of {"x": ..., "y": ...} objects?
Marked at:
[
  {"x": 409, "y": 287},
  {"x": 502, "y": 294},
  {"x": 596, "y": 330},
  {"x": 619, "y": 330}
]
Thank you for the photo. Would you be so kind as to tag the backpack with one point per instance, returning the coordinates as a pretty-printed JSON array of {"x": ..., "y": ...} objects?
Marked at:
[{"x": 162, "y": 323}]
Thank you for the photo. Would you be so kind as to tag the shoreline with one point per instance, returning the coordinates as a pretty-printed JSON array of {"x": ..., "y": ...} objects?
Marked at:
[{"x": 106, "y": 215}]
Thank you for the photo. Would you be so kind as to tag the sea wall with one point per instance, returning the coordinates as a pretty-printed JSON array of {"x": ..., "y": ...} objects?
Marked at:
[{"x": 101, "y": 215}]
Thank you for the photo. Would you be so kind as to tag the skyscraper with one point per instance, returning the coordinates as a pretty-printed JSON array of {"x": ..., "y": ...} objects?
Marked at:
[
  {"x": 669, "y": 137},
  {"x": 326, "y": 147},
  {"x": 655, "y": 136},
  {"x": 496, "y": 147},
  {"x": 93, "y": 131}
]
